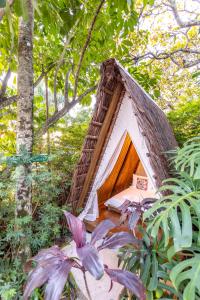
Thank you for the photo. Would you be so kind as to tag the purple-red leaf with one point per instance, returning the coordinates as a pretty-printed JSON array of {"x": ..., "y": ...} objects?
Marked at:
[
  {"x": 134, "y": 218},
  {"x": 57, "y": 281},
  {"x": 129, "y": 281},
  {"x": 91, "y": 261},
  {"x": 48, "y": 261},
  {"x": 118, "y": 240},
  {"x": 111, "y": 286},
  {"x": 77, "y": 228},
  {"x": 123, "y": 217},
  {"x": 123, "y": 208},
  {"x": 40, "y": 275},
  {"x": 101, "y": 230},
  {"x": 37, "y": 278},
  {"x": 49, "y": 253}
]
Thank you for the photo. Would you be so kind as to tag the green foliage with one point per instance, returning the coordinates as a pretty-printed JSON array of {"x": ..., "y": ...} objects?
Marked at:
[
  {"x": 50, "y": 181},
  {"x": 186, "y": 276},
  {"x": 150, "y": 261},
  {"x": 176, "y": 211},
  {"x": 148, "y": 81},
  {"x": 42, "y": 230},
  {"x": 188, "y": 158},
  {"x": 123, "y": 38},
  {"x": 168, "y": 259},
  {"x": 185, "y": 120},
  {"x": 180, "y": 207},
  {"x": 179, "y": 219},
  {"x": 11, "y": 279}
]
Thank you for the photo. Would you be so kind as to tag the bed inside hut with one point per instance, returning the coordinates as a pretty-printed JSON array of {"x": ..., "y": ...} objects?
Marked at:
[{"x": 127, "y": 181}]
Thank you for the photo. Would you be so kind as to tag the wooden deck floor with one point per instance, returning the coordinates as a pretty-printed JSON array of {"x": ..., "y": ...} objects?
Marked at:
[{"x": 107, "y": 214}]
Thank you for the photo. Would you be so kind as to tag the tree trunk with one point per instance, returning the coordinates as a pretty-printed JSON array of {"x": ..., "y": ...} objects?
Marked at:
[{"x": 25, "y": 116}]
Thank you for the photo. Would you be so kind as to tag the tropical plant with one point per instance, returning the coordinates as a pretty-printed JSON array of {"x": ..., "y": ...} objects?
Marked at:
[
  {"x": 179, "y": 209},
  {"x": 186, "y": 275},
  {"x": 179, "y": 220},
  {"x": 188, "y": 158},
  {"x": 53, "y": 266},
  {"x": 167, "y": 260},
  {"x": 50, "y": 186},
  {"x": 70, "y": 41},
  {"x": 133, "y": 211},
  {"x": 151, "y": 263}
]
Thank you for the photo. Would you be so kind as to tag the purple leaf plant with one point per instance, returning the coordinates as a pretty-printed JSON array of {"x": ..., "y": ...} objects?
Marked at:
[
  {"x": 133, "y": 211},
  {"x": 53, "y": 266}
]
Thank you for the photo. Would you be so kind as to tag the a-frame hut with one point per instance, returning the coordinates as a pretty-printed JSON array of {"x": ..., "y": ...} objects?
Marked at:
[{"x": 124, "y": 153}]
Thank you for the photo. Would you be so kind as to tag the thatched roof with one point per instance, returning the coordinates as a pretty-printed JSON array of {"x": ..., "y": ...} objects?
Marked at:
[{"x": 115, "y": 81}]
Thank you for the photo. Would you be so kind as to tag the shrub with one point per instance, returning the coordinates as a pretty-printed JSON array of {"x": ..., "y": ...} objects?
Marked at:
[{"x": 168, "y": 261}]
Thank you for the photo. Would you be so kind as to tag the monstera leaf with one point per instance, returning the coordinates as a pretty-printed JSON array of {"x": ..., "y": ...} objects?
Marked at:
[
  {"x": 175, "y": 211},
  {"x": 186, "y": 276},
  {"x": 188, "y": 158}
]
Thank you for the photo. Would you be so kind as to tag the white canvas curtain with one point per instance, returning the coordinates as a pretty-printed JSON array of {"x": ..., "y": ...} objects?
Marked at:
[
  {"x": 91, "y": 209},
  {"x": 125, "y": 123}
]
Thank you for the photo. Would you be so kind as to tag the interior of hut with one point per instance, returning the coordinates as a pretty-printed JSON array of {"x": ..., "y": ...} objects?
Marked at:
[{"x": 127, "y": 181}]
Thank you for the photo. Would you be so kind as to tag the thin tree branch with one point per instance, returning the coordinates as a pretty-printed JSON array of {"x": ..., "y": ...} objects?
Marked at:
[
  {"x": 5, "y": 83},
  {"x": 5, "y": 101},
  {"x": 44, "y": 73},
  {"x": 177, "y": 17},
  {"x": 140, "y": 16},
  {"x": 47, "y": 97},
  {"x": 88, "y": 91},
  {"x": 66, "y": 91},
  {"x": 56, "y": 116},
  {"x": 61, "y": 113},
  {"x": 61, "y": 61},
  {"x": 47, "y": 116},
  {"x": 85, "y": 47},
  {"x": 171, "y": 55},
  {"x": 192, "y": 63},
  {"x": 59, "y": 64}
]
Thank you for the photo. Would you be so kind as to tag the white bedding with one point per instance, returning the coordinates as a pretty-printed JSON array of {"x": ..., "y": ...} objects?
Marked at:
[{"x": 131, "y": 194}]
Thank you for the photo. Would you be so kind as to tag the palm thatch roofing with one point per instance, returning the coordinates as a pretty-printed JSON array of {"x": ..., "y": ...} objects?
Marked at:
[{"x": 156, "y": 131}]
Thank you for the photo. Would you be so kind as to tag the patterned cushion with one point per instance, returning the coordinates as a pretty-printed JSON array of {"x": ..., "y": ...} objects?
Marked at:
[{"x": 140, "y": 182}]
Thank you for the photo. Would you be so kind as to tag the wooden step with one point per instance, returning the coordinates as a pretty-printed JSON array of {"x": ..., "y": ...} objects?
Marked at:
[
  {"x": 91, "y": 137},
  {"x": 104, "y": 107},
  {"x": 107, "y": 214},
  {"x": 88, "y": 150},
  {"x": 83, "y": 165},
  {"x": 96, "y": 123},
  {"x": 78, "y": 187},
  {"x": 107, "y": 91},
  {"x": 81, "y": 175}
]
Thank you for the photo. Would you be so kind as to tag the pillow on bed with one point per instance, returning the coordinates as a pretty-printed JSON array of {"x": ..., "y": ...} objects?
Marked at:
[
  {"x": 118, "y": 201},
  {"x": 114, "y": 202},
  {"x": 140, "y": 182}
]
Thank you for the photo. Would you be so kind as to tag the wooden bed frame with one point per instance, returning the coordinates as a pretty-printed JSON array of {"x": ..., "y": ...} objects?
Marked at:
[{"x": 107, "y": 214}]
